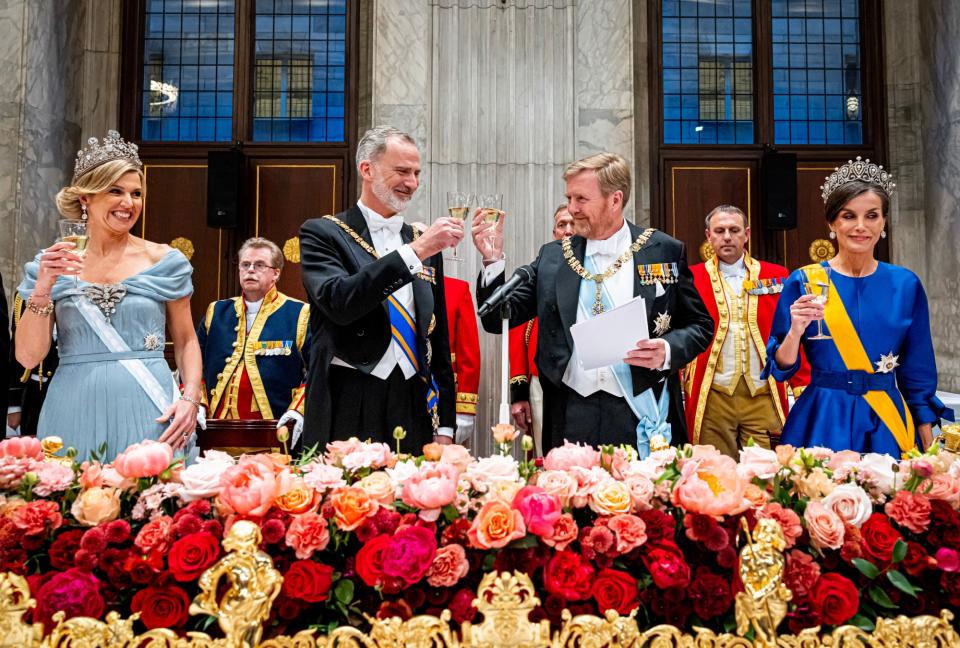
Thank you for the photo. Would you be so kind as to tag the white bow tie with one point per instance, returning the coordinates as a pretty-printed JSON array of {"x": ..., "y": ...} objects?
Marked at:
[
  {"x": 379, "y": 223},
  {"x": 606, "y": 247}
]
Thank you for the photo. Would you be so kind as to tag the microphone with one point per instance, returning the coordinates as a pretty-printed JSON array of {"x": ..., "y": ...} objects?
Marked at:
[{"x": 521, "y": 275}]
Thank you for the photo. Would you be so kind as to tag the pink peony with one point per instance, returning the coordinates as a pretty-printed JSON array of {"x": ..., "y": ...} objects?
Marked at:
[
  {"x": 564, "y": 532},
  {"x": 492, "y": 469},
  {"x": 825, "y": 527},
  {"x": 337, "y": 450},
  {"x": 710, "y": 485},
  {"x": 630, "y": 531},
  {"x": 851, "y": 503},
  {"x": 788, "y": 520},
  {"x": 569, "y": 455},
  {"x": 757, "y": 462},
  {"x": 540, "y": 509},
  {"x": 448, "y": 566},
  {"x": 145, "y": 459},
  {"x": 307, "y": 534},
  {"x": 24, "y": 447},
  {"x": 430, "y": 489},
  {"x": 52, "y": 477},
  {"x": 457, "y": 456},
  {"x": 410, "y": 554},
  {"x": 909, "y": 510},
  {"x": 250, "y": 487}
]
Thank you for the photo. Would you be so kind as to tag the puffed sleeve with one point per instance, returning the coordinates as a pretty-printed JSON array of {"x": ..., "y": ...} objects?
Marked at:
[
  {"x": 781, "y": 326},
  {"x": 917, "y": 373}
]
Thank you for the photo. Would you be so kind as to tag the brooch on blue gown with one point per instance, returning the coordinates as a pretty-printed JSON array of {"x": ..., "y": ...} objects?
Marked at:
[
  {"x": 105, "y": 297},
  {"x": 887, "y": 362}
]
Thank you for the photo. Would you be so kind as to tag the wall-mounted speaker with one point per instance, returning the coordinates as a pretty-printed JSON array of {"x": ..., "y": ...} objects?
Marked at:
[
  {"x": 779, "y": 190},
  {"x": 226, "y": 197}
]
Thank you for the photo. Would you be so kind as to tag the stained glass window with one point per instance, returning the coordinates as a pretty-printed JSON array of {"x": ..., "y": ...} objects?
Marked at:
[
  {"x": 188, "y": 71},
  {"x": 707, "y": 56},
  {"x": 299, "y": 71},
  {"x": 817, "y": 96}
]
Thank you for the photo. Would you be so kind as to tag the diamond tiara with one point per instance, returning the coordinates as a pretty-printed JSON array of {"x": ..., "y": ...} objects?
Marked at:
[
  {"x": 113, "y": 147},
  {"x": 858, "y": 169}
]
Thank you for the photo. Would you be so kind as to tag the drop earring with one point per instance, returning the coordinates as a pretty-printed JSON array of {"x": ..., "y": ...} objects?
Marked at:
[
  {"x": 832, "y": 235},
  {"x": 883, "y": 233},
  {"x": 83, "y": 212}
]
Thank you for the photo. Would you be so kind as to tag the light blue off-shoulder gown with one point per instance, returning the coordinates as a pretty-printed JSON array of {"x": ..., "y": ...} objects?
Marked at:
[{"x": 93, "y": 399}]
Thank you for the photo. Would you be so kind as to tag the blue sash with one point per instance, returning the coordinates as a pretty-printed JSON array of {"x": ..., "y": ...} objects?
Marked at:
[
  {"x": 651, "y": 413},
  {"x": 404, "y": 334}
]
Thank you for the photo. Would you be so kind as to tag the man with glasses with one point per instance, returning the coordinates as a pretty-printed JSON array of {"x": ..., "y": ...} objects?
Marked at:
[{"x": 255, "y": 346}]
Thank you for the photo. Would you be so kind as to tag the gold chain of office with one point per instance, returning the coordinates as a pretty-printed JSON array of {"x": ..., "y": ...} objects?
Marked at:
[
  {"x": 600, "y": 277},
  {"x": 359, "y": 239}
]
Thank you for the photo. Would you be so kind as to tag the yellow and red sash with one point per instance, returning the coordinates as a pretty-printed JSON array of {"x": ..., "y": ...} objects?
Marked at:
[{"x": 855, "y": 357}]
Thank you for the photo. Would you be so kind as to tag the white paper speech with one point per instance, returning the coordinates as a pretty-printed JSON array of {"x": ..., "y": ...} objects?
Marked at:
[{"x": 604, "y": 339}]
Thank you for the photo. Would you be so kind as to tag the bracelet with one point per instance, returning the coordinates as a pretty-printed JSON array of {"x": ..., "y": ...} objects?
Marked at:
[
  {"x": 42, "y": 311},
  {"x": 193, "y": 402}
]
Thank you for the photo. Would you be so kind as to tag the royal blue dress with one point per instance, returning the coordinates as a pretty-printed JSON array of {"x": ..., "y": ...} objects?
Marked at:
[
  {"x": 93, "y": 399},
  {"x": 889, "y": 311}
]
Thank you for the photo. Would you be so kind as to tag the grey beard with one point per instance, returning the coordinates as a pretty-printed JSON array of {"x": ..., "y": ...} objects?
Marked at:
[{"x": 388, "y": 198}]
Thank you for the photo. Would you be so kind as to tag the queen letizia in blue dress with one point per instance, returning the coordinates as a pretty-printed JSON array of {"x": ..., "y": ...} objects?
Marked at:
[{"x": 864, "y": 327}]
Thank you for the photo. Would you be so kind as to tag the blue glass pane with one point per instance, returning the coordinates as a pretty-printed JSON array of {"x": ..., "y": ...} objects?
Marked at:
[
  {"x": 671, "y": 132},
  {"x": 670, "y": 8},
  {"x": 745, "y": 132}
]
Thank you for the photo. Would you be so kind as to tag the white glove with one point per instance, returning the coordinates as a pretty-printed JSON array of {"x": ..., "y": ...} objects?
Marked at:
[
  {"x": 297, "y": 418},
  {"x": 202, "y": 417},
  {"x": 465, "y": 424}
]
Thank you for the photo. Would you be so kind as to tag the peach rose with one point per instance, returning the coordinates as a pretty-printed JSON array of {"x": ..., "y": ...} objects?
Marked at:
[
  {"x": 432, "y": 451},
  {"x": 710, "y": 486},
  {"x": 145, "y": 459},
  {"x": 24, "y": 447},
  {"x": 611, "y": 497},
  {"x": 448, "y": 567},
  {"x": 495, "y": 526},
  {"x": 308, "y": 533},
  {"x": 630, "y": 531},
  {"x": 815, "y": 484},
  {"x": 565, "y": 531},
  {"x": 380, "y": 487},
  {"x": 559, "y": 483},
  {"x": 96, "y": 505},
  {"x": 457, "y": 456},
  {"x": 946, "y": 488},
  {"x": 785, "y": 453},
  {"x": 352, "y": 505},
  {"x": 851, "y": 503},
  {"x": 504, "y": 491},
  {"x": 504, "y": 433},
  {"x": 569, "y": 455},
  {"x": 296, "y": 496},
  {"x": 250, "y": 487},
  {"x": 430, "y": 489},
  {"x": 825, "y": 527}
]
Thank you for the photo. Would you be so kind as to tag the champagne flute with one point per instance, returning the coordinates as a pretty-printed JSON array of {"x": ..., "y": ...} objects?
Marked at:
[
  {"x": 821, "y": 290},
  {"x": 74, "y": 231},
  {"x": 490, "y": 207},
  {"x": 458, "y": 206}
]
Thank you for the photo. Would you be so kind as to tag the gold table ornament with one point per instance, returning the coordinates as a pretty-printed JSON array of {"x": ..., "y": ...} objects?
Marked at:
[
  {"x": 183, "y": 244},
  {"x": 822, "y": 250},
  {"x": 504, "y": 599},
  {"x": 291, "y": 250}
]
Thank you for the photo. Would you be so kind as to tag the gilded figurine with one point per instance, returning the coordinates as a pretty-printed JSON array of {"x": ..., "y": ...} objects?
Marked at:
[{"x": 763, "y": 604}]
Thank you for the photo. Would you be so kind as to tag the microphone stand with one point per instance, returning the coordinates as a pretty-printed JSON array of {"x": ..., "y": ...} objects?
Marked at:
[{"x": 505, "y": 362}]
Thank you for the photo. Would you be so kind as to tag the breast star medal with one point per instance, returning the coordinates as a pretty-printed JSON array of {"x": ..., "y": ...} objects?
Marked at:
[
  {"x": 661, "y": 323},
  {"x": 153, "y": 342},
  {"x": 887, "y": 362}
]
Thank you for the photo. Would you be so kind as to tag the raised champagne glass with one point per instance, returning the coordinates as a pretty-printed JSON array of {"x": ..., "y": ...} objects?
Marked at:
[
  {"x": 820, "y": 288},
  {"x": 490, "y": 206},
  {"x": 458, "y": 206},
  {"x": 74, "y": 231}
]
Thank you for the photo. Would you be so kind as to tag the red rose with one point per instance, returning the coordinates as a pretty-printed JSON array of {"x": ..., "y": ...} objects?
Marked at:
[
  {"x": 878, "y": 538},
  {"x": 835, "y": 599},
  {"x": 615, "y": 590},
  {"x": 192, "y": 554},
  {"x": 710, "y": 594},
  {"x": 370, "y": 560},
  {"x": 308, "y": 581},
  {"x": 410, "y": 553},
  {"x": 667, "y": 566},
  {"x": 568, "y": 576},
  {"x": 63, "y": 549},
  {"x": 161, "y": 607},
  {"x": 917, "y": 559}
]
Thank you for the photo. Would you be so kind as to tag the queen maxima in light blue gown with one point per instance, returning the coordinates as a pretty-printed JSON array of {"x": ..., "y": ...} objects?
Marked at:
[
  {"x": 873, "y": 375},
  {"x": 113, "y": 309}
]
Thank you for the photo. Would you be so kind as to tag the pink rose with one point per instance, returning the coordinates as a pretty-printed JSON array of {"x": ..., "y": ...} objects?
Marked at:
[
  {"x": 540, "y": 509},
  {"x": 457, "y": 456},
  {"x": 851, "y": 503},
  {"x": 641, "y": 491},
  {"x": 307, "y": 534},
  {"x": 910, "y": 510},
  {"x": 757, "y": 462},
  {"x": 569, "y": 455},
  {"x": 430, "y": 489},
  {"x": 24, "y": 447},
  {"x": 842, "y": 463},
  {"x": 825, "y": 527},
  {"x": 250, "y": 487},
  {"x": 145, "y": 459},
  {"x": 564, "y": 532},
  {"x": 710, "y": 486},
  {"x": 946, "y": 488},
  {"x": 630, "y": 531},
  {"x": 558, "y": 483},
  {"x": 588, "y": 479},
  {"x": 788, "y": 520},
  {"x": 410, "y": 554},
  {"x": 495, "y": 526},
  {"x": 448, "y": 566}
]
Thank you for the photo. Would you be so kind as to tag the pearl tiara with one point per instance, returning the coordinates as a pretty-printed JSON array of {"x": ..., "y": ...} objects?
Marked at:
[
  {"x": 113, "y": 147},
  {"x": 862, "y": 170}
]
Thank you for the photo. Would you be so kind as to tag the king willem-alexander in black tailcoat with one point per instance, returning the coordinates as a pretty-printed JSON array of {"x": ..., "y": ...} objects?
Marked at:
[
  {"x": 553, "y": 296},
  {"x": 347, "y": 288}
]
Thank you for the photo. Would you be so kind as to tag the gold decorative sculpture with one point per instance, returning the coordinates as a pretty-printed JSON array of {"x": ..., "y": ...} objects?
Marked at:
[
  {"x": 951, "y": 437},
  {"x": 504, "y": 599},
  {"x": 183, "y": 244},
  {"x": 291, "y": 250},
  {"x": 822, "y": 250}
]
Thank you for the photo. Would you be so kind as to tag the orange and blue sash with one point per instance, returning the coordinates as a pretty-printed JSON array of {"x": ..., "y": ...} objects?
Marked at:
[{"x": 404, "y": 334}]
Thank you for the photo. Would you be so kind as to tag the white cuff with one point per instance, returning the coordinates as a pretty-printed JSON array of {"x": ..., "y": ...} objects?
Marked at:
[
  {"x": 666, "y": 355},
  {"x": 13, "y": 409},
  {"x": 493, "y": 270},
  {"x": 445, "y": 431},
  {"x": 414, "y": 265}
]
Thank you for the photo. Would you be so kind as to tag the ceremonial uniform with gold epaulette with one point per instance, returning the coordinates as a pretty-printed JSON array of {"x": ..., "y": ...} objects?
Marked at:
[
  {"x": 27, "y": 388},
  {"x": 260, "y": 374},
  {"x": 524, "y": 377},
  {"x": 727, "y": 401},
  {"x": 464, "y": 352}
]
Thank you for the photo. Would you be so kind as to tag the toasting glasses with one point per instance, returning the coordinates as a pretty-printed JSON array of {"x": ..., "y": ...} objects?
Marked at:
[
  {"x": 458, "y": 205},
  {"x": 820, "y": 288}
]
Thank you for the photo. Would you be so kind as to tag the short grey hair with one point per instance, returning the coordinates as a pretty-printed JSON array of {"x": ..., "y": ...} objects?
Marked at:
[
  {"x": 276, "y": 256},
  {"x": 726, "y": 209},
  {"x": 374, "y": 142}
]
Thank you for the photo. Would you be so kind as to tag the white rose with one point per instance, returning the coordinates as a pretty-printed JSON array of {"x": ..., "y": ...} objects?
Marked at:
[
  {"x": 851, "y": 504},
  {"x": 493, "y": 469},
  {"x": 877, "y": 469},
  {"x": 202, "y": 478}
]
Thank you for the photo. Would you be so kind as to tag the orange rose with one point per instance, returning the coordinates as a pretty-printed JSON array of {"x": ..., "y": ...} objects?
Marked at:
[
  {"x": 296, "y": 496},
  {"x": 432, "y": 451},
  {"x": 496, "y": 525},
  {"x": 351, "y": 506},
  {"x": 96, "y": 505},
  {"x": 504, "y": 433}
]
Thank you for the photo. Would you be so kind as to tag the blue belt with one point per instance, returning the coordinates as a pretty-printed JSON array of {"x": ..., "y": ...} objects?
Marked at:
[
  {"x": 857, "y": 382},
  {"x": 82, "y": 358}
]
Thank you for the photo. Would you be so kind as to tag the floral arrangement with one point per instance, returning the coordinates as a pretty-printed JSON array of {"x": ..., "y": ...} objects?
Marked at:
[{"x": 360, "y": 529}]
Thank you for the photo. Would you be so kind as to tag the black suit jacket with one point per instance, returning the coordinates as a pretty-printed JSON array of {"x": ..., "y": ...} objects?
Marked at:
[
  {"x": 347, "y": 289},
  {"x": 553, "y": 295}
]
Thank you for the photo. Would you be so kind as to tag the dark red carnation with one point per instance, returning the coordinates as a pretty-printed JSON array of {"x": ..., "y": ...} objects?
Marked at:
[
  {"x": 186, "y": 525},
  {"x": 568, "y": 576},
  {"x": 308, "y": 581},
  {"x": 370, "y": 560},
  {"x": 878, "y": 538},
  {"x": 367, "y": 531},
  {"x": 199, "y": 508},
  {"x": 63, "y": 549},
  {"x": 287, "y": 608},
  {"x": 667, "y": 566},
  {"x": 94, "y": 540},
  {"x": 710, "y": 595},
  {"x": 615, "y": 590},
  {"x": 85, "y": 560},
  {"x": 835, "y": 599},
  {"x": 161, "y": 607},
  {"x": 461, "y": 606},
  {"x": 660, "y": 526},
  {"x": 214, "y": 527},
  {"x": 191, "y": 555},
  {"x": 456, "y": 533},
  {"x": 117, "y": 531},
  {"x": 698, "y": 527},
  {"x": 801, "y": 573},
  {"x": 386, "y": 520}
]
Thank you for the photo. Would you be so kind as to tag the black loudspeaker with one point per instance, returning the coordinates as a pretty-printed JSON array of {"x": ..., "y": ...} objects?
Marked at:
[
  {"x": 225, "y": 188},
  {"x": 779, "y": 190}
]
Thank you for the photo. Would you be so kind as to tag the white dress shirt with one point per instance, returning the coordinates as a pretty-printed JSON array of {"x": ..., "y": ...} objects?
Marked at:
[{"x": 252, "y": 309}]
